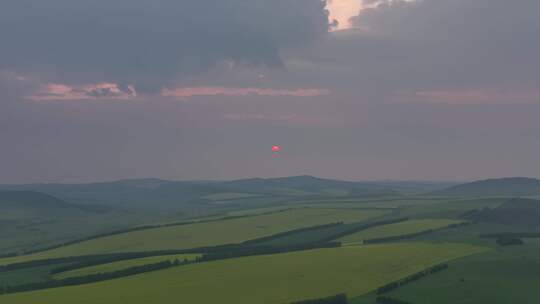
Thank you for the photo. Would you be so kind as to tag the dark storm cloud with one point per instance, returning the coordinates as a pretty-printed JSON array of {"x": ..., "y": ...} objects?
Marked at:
[
  {"x": 429, "y": 45},
  {"x": 434, "y": 89},
  {"x": 149, "y": 41},
  {"x": 457, "y": 42}
]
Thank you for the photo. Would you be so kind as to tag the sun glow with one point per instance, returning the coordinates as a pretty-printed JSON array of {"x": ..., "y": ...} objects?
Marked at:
[{"x": 343, "y": 10}]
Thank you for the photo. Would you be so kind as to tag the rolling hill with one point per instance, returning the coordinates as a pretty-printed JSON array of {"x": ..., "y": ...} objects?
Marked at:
[
  {"x": 33, "y": 215},
  {"x": 515, "y": 212},
  {"x": 210, "y": 233},
  {"x": 277, "y": 278},
  {"x": 30, "y": 220},
  {"x": 163, "y": 194},
  {"x": 25, "y": 205},
  {"x": 510, "y": 187}
]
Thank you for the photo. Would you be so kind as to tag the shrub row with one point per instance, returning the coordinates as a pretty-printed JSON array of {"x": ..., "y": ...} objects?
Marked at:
[
  {"x": 231, "y": 252},
  {"x": 77, "y": 262},
  {"x": 89, "y": 278},
  {"x": 89, "y": 260},
  {"x": 388, "y": 300},
  {"x": 249, "y": 251},
  {"x": 509, "y": 241},
  {"x": 337, "y": 299},
  {"x": 511, "y": 235},
  {"x": 414, "y": 277},
  {"x": 412, "y": 235},
  {"x": 8, "y": 255},
  {"x": 360, "y": 227},
  {"x": 291, "y": 232},
  {"x": 139, "y": 228},
  {"x": 105, "y": 260}
]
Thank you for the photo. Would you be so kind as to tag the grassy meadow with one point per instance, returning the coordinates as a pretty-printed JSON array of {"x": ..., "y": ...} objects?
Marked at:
[
  {"x": 211, "y": 233},
  {"x": 110, "y": 267},
  {"x": 270, "y": 279},
  {"x": 498, "y": 276},
  {"x": 280, "y": 266},
  {"x": 402, "y": 228}
]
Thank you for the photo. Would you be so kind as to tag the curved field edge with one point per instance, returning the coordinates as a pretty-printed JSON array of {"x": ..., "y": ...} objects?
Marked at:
[
  {"x": 505, "y": 275},
  {"x": 397, "y": 229},
  {"x": 204, "y": 234},
  {"x": 120, "y": 265},
  {"x": 270, "y": 279}
]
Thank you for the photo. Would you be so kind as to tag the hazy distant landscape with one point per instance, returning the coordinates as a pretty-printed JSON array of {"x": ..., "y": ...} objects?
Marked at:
[
  {"x": 269, "y": 152},
  {"x": 276, "y": 240}
]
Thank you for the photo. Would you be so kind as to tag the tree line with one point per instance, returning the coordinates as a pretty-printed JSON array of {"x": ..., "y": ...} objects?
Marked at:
[
  {"x": 89, "y": 260},
  {"x": 134, "y": 229},
  {"x": 291, "y": 232},
  {"x": 510, "y": 238},
  {"x": 357, "y": 228},
  {"x": 412, "y": 235},
  {"x": 511, "y": 234},
  {"x": 414, "y": 277},
  {"x": 337, "y": 299},
  {"x": 90, "y": 263},
  {"x": 91, "y": 278},
  {"x": 388, "y": 300},
  {"x": 509, "y": 241},
  {"x": 212, "y": 253},
  {"x": 232, "y": 252},
  {"x": 263, "y": 250}
]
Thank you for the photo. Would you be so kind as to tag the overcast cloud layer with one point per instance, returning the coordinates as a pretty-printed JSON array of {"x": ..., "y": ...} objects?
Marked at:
[
  {"x": 151, "y": 41},
  {"x": 432, "y": 89}
]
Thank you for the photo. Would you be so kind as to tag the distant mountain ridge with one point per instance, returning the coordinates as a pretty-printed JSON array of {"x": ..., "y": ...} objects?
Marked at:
[
  {"x": 37, "y": 202},
  {"x": 31, "y": 199},
  {"x": 511, "y": 186},
  {"x": 164, "y": 192}
]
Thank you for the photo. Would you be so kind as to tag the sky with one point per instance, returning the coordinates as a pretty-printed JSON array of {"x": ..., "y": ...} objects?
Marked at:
[{"x": 203, "y": 89}]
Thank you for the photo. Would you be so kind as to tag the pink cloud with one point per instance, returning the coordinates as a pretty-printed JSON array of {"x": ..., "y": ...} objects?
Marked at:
[
  {"x": 187, "y": 92},
  {"x": 342, "y": 11},
  {"x": 260, "y": 117},
  {"x": 475, "y": 96},
  {"x": 287, "y": 118},
  {"x": 99, "y": 91}
]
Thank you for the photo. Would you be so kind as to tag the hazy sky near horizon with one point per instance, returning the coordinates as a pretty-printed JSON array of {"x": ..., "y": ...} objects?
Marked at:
[{"x": 202, "y": 89}]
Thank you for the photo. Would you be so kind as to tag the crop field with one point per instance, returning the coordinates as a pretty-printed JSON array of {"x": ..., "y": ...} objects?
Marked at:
[
  {"x": 505, "y": 275},
  {"x": 26, "y": 276},
  {"x": 228, "y": 196},
  {"x": 205, "y": 234},
  {"x": 270, "y": 279},
  {"x": 451, "y": 209},
  {"x": 115, "y": 266},
  {"x": 407, "y": 227},
  {"x": 389, "y": 202}
]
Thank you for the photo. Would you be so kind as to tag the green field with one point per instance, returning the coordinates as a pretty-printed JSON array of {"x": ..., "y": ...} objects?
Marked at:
[
  {"x": 110, "y": 267},
  {"x": 26, "y": 276},
  {"x": 407, "y": 227},
  {"x": 228, "y": 196},
  {"x": 206, "y": 234},
  {"x": 450, "y": 209},
  {"x": 271, "y": 279},
  {"x": 501, "y": 276}
]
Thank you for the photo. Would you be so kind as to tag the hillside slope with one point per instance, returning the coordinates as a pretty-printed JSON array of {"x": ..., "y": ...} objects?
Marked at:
[
  {"x": 30, "y": 220},
  {"x": 515, "y": 212},
  {"x": 24, "y": 205},
  {"x": 511, "y": 187},
  {"x": 269, "y": 279},
  {"x": 156, "y": 193}
]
